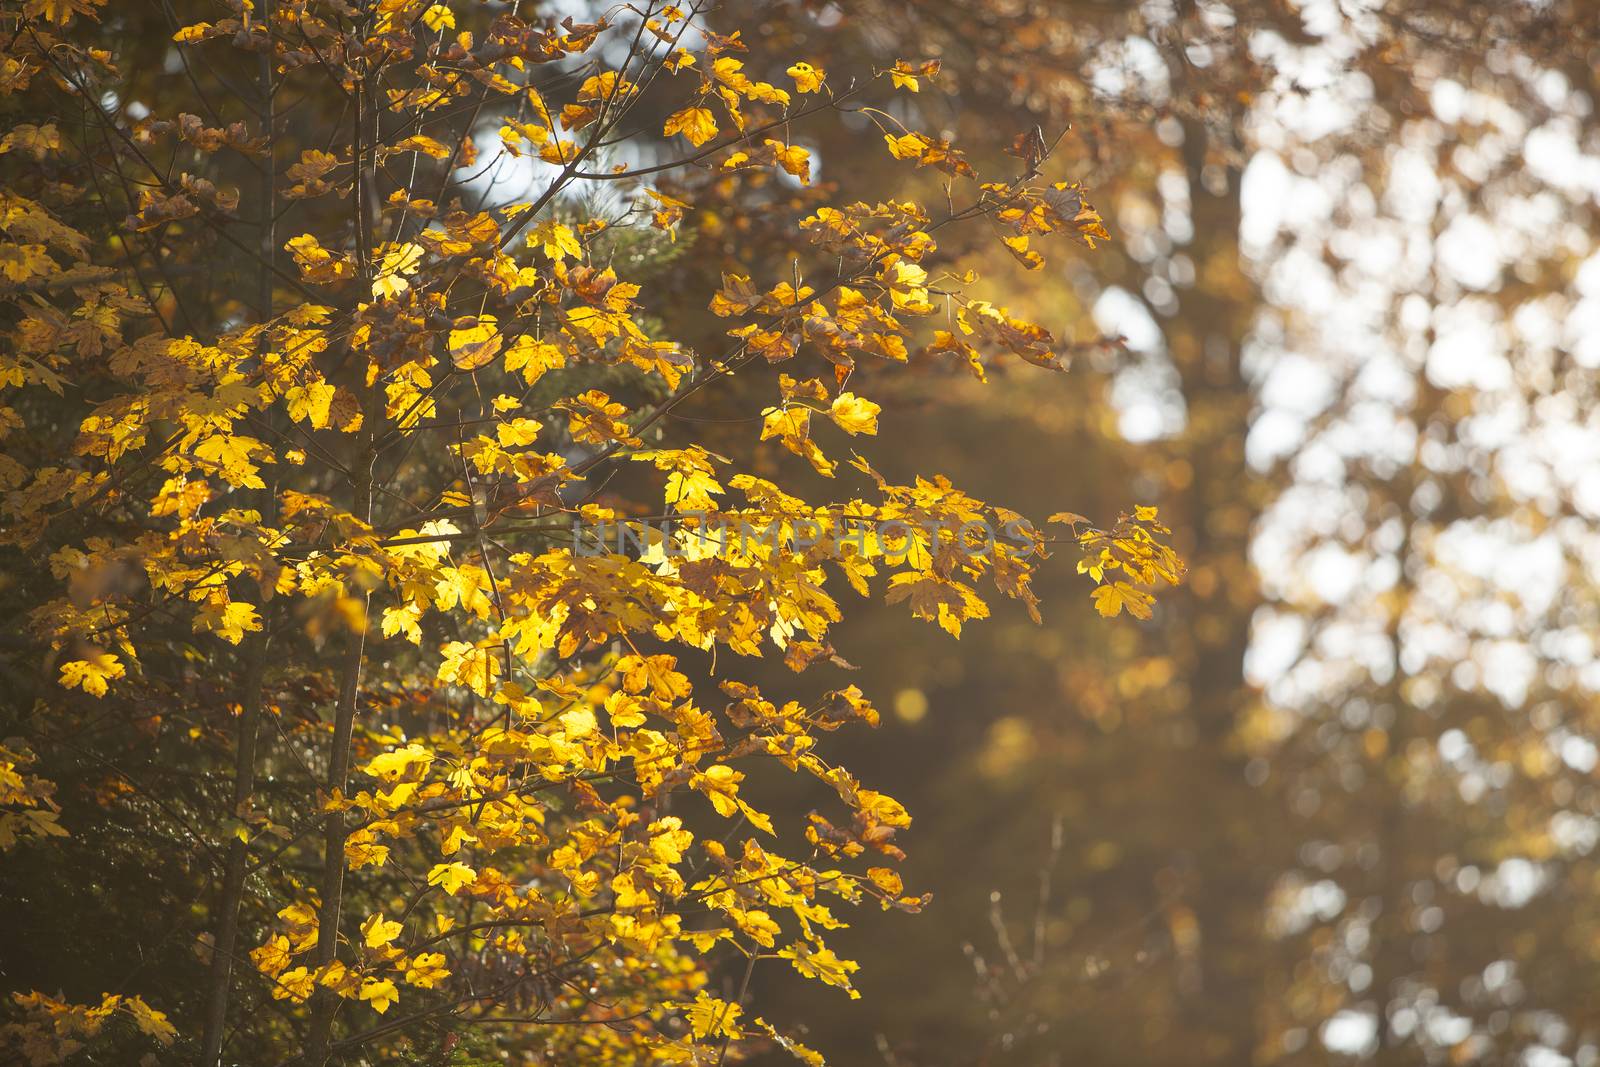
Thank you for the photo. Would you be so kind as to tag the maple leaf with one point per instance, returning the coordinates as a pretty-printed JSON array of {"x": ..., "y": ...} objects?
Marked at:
[
  {"x": 905, "y": 76},
  {"x": 518, "y": 432},
  {"x": 403, "y": 619},
  {"x": 426, "y": 970},
  {"x": 61, "y": 12},
  {"x": 439, "y": 18},
  {"x": 311, "y": 403},
  {"x": 421, "y": 143},
  {"x": 376, "y": 931},
  {"x": 906, "y": 145},
  {"x": 555, "y": 240},
  {"x": 316, "y": 263},
  {"x": 394, "y": 765},
  {"x": 470, "y": 666},
  {"x": 228, "y": 621},
  {"x": 720, "y": 784},
  {"x": 692, "y": 489},
  {"x": 624, "y": 710},
  {"x": 695, "y": 123},
  {"x": 854, "y": 414},
  {"x": 710, "y": 1017},
  {"x": 394, "y": 264},
  {"x": 37, "y": 141},
  {"x": 793, "y": 159},
  {"x": 231, "y": 453},
  {"x": 806, "y": 1055},
  {"x": 1111, "y": 598},
  {"x": 452, "y": 876},
  {"x": 92, "y": 674},
  {"x": 296, "y": 984},
  {"x": 886, "y": 880},
  {"x": 533, "y": 358},
  {"x": 475, "y": 345},
  {"x": 1018, "y": 246},
  {"x": 579, "y": 723},
  {"x": 380, "y": 993},
  {"x": 149, "y": 1021},
  {"x": 272, "y": 957},
  {"x": 821, "y": 964}
]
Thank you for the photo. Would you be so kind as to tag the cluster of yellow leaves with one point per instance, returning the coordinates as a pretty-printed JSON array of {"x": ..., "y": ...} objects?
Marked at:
[
  {"x": 51, "y": 1029},
  {"x": 1131, "y": 548},
  {"x": 523, "y": 818},
  {"x": 26, "y": 807}
]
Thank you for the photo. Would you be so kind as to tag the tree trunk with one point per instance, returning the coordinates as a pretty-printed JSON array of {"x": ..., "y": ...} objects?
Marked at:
[
  {"x": 244, "y": 774},
  {"x": 1228, "y": 876},
  {"x": 227, "y": 929}
]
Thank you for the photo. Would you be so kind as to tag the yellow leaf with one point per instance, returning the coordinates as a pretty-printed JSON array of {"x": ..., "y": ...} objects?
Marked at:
[
  {"x": 380, "y": 993},
  {"x": 427, "y": 970},
  {"x": 720, "y": 784},
  {"x": 854, "y": 414},
  {"x": 469, "y": 666},
  {"x": 377, "y": 931},
  {"x": 150, "y": 1021},
  {"x": 403, "y": 618},
  {"x": 426, "y": 145},
  {"x": 886, "y": 880},
  {"x": 232, "y": 454},
  {"x": 1110, "y": 599},
  {"x": 438, "y": 17},
  {"x": 821, "y": 964},
  {"x": 475, "y": 346},
  {"x": 808, "y": 1056},
  {"x": 310, "y": 403},
  {"x": 393, "y": 266},
  {"x": 533, "y": 358},
  {"x": 61, "y": 12},
  {"x": 392, "y": 765},
  {"x": 451, "y": 876},
  {"x": 555, "y": 240},
  {"x": 579, "y": 723},
  {"x": 559, "y": 152},
  {"x": 709, "y": 1017},
  {"x": 227, "y": 621},
  {"x": 807, "y": 79},
  {"x": 37, "y": 141},
  {"x": 695, "y": 123},
  {"x": 273, "y": 957},
  {"x": 454, "y": 838},
  {"x": 518, "y": 432},
  {"x": 296, "y": 985},
  {"x": 623, "y": 710},
  {"x": 692, "y": 489},
  {"x": 794, "y": 159},
  {"x": 1019, "y": 248},
  {"x": 92, "y": 674}
]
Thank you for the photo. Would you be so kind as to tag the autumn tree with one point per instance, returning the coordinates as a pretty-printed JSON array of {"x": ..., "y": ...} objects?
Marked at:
[{"x": 377, "y": 684}]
